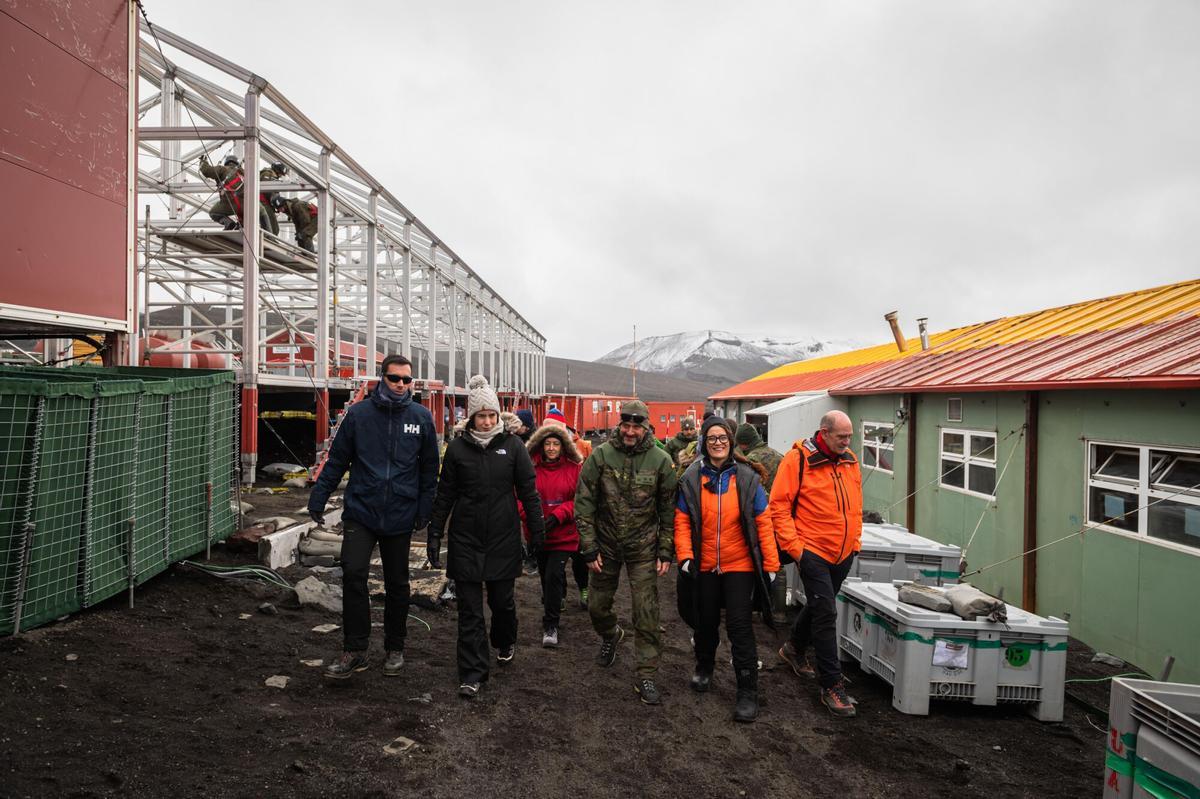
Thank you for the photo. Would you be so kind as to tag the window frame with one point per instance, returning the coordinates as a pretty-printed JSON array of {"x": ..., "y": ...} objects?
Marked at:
[
  {"x": 1144, "y": 490},
  {"x": 967, "y": 460},
  {"x": 877, "y": 445},
  {"x": 950, "y": 417}
]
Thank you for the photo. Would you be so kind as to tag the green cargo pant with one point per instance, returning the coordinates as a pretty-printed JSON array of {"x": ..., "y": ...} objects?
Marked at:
[{"x": 643, "y": 588}]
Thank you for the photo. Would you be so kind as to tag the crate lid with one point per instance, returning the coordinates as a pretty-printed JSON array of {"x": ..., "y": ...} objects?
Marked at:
[
  {"x": 894, "y": 538},
  {"x": 882, "y": 596}
]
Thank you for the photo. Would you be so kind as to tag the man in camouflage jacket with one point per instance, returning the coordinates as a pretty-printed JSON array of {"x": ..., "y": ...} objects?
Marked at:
[
  {"x": 756, "y": 451},
  {"x": 625, "y": 512}
]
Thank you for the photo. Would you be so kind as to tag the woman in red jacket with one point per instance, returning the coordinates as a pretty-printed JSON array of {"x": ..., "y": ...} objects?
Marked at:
[
  {"x": 725, "y": 545},
  {"x": 557, "y": 462}
]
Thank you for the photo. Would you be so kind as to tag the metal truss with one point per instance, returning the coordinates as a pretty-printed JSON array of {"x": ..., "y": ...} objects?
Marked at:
[{"x": 381, "y": 280}]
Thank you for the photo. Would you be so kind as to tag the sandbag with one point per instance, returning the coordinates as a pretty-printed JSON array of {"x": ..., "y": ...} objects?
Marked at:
[
  {"x": 924, "y": 596},
  {"x": 970, "y": 603}
]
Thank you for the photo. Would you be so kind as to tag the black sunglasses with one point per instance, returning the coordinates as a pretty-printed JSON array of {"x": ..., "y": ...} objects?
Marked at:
[
  {"x": 405, "y": 379},
  {"x": 633, "y": 418}
]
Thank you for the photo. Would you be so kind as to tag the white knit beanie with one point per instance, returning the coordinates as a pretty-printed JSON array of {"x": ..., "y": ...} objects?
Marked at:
[{"x": 480, "y": 396}]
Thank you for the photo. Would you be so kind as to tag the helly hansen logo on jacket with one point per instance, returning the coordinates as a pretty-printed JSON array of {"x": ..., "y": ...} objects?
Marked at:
[{"x": 412, "y": 428}]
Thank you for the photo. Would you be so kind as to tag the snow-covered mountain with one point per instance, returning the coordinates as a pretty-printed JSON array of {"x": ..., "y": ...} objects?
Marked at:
[{"x": 717, "y": 355}]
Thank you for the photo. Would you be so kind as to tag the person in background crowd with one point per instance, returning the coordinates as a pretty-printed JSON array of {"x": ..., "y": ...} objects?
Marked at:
[
  {"x": 624, "y": 508},
  {"x": 484, "y": 472},
  {"x": 528, "y": 425},
  {"x": 389, "y": 443},
  {"x": 685, "y": 436},
  {"x": 721, "y": 493},
  {"x": 579, "y": 568},
  {"x": 557, "y": 464},
  {"x": 816, "y": 504},
  {"x": 750, "y": 444}
]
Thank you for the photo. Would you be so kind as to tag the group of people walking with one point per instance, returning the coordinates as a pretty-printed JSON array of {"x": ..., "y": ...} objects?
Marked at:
[{"x": 504, "y": 488}]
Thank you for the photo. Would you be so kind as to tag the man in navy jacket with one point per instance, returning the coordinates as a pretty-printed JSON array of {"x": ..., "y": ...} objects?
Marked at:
[{"x": 390, "y": 444}]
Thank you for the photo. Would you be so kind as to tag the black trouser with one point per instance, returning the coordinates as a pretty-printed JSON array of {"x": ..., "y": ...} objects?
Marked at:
[
  {"x": 735, "y": 592},
  {"x": 357, "y": 544},
  {"x": 817, "y": 623},
  {"x": 552, "y": 568},
  {"x": 579, "y": 569},
  {"x": 473, "y": 655},
  {"x": 685, "y": 596}
]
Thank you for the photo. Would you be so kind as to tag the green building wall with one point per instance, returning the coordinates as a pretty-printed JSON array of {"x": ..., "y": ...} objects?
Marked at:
[{"x": 1121, "y": 594}]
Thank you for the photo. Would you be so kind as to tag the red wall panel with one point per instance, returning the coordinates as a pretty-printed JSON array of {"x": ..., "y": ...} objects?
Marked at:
[
  {"x": 94, "y": 31},
  {"x": 79, "y": 265},
  {"x": 63, "y": 156}
]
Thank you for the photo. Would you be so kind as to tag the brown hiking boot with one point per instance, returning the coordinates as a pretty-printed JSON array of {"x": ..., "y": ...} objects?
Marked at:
[
  {"x": 838, "y": 702},
  {"x": 799, "y": 662},
  {"x": 346, "y": 664}
]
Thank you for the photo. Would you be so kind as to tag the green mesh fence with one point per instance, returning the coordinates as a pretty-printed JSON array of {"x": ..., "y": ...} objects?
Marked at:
[{"x": 106, "y": 477}]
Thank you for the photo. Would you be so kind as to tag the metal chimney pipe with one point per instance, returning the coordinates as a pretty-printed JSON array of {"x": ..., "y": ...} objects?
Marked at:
[
  {"x": 895, "y": 325},
  {"x": 923, "y": 329}
]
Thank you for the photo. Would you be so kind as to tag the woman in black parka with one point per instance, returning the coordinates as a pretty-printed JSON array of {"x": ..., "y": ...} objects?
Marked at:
[{"x": 484, "y": 472}]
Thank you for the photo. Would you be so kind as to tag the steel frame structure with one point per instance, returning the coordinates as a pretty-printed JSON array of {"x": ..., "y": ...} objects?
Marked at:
[{"x": 381, "y": 281}]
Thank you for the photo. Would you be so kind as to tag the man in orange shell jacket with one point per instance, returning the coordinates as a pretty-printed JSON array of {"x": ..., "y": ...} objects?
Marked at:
[{"x": 816, "y": 504}]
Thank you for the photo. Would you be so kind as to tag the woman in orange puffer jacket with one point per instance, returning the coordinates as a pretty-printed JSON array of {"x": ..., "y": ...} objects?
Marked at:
[{"x": 725, "y": 545}]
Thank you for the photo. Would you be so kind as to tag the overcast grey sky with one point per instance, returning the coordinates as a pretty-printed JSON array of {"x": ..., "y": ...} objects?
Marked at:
[{"x": 773, "y": 168}]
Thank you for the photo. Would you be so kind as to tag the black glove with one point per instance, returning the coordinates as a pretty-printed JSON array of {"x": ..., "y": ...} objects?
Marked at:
[
  {"x": 420, "y": 524},
  {"x": 433, "y": 550},
  {"x": 318, "y": 516},
  {"x": 688, "y": 567},
  {"x": 551, "y": 522}
]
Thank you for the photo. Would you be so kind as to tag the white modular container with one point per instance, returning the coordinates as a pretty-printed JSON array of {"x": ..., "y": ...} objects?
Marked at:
[
  {"x": 890, "y": 552},
  {"x": 1153, "y": 740},
  {"x": 925, "y": 655}
]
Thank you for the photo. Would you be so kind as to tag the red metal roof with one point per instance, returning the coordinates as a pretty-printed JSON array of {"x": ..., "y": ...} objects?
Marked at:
[{"x": 1148, "y": 339}]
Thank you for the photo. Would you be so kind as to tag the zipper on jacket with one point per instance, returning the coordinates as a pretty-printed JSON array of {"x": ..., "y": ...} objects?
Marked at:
[
  {"x": 844, "y": 501},
  {"x": 718, "y": 523},
  {"x": 387, "y": 492}
]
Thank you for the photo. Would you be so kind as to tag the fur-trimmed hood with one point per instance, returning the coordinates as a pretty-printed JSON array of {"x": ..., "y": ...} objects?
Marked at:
[
  {"x": 510, "y": 421},
  {"x": 570, "y": 451}
]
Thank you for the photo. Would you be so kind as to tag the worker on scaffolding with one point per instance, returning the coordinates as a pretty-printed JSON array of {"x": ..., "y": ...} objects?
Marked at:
[
  {"x": 227, "y": 210},
  {"x": 276, "y": 171},
  {"x": 303, "y": 215}
]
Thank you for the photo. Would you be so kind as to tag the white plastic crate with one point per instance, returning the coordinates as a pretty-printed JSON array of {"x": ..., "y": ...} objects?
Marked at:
[
  {"x": 1153, "y": 740},
  {"x": 890, "y": 552},
  {"x": 926, "y": 655}
]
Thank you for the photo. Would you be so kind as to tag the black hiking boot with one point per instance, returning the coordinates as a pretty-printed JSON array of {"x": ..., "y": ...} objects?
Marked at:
[
  {"x": 746, "y": 708},
  {"x": 506, "y": 655},
  {"x": 346, "y": 664},
  {"x": 469, "y": 690},
  {"x": 647, "y": 691},
  {"x": 608, "y": 649},
  {"x": 702, "y": 678}
]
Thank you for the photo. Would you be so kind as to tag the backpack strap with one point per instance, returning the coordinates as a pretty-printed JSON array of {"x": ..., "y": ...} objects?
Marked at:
[{"x": 799, "y": 481}]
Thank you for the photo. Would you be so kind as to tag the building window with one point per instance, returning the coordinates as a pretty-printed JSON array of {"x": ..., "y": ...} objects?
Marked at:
[
  {"x": 662, "y": 417},
  {"x": 595, "y": 406},
  {"x": 1123, "y": 481},
  {"x": 879, "y": 445},
  {"x": 969, "y": 461},
  {"x": 608, "y": 406},
  {"x": 672, "y": 419},
  {"x": 954, "y": 409}
]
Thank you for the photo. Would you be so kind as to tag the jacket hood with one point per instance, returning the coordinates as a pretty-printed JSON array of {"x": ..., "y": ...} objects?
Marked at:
[{"x": 570, "y": 451}]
